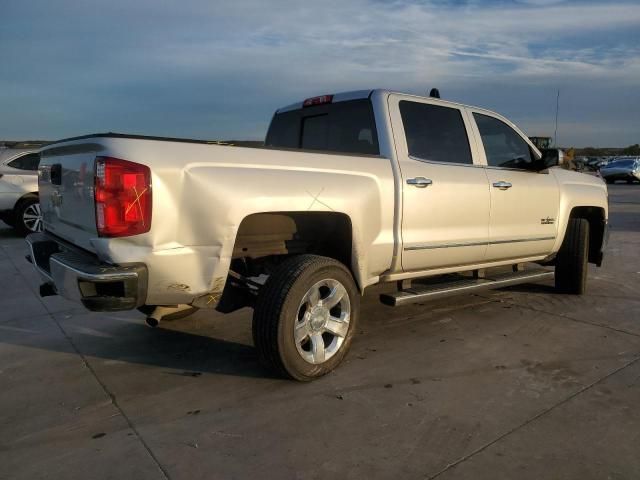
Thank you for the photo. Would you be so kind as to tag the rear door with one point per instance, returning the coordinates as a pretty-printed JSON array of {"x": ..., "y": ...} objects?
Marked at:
[
  {"x": 445, "y": 194},
  {"x": 524, "y": 203}
]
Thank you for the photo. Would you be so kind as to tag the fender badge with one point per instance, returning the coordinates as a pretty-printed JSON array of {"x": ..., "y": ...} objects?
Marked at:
[{"x": 547, "y": 221}]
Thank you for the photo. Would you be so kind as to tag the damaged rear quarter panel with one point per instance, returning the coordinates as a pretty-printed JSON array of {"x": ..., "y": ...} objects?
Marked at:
[
  {"x": 201, "y": 194},
  {"x": 219, "y": 195}
]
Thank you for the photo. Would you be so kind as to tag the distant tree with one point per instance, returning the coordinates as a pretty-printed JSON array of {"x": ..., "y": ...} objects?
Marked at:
[
  {"x": 632, "y": 150},
  {"x": 591, "y": 152}
]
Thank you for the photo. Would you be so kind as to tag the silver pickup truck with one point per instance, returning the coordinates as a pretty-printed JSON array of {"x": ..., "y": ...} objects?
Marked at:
[{"x": 351, "y": 190}]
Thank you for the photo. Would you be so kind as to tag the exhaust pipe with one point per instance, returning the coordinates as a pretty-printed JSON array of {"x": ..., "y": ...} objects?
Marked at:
[{"x": 161, "y": 312}]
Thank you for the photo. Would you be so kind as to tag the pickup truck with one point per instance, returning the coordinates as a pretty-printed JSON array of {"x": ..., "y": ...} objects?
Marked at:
[{"x": 350, "y": 190}]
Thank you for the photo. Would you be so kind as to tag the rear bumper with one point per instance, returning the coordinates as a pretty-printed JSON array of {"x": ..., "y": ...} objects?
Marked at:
[{"x": 81, "y": 277}]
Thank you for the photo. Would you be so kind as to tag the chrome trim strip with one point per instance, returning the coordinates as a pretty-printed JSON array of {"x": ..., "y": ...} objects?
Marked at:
[
  {"x": 422, "y": 246},
  {"x": 518, "y": 240},
  {"x": 452, "y": 164},
  {"x": 544, "y": 171}
]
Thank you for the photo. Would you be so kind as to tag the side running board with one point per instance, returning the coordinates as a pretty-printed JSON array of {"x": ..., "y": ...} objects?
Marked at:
[{"x": 422, "y": 293}]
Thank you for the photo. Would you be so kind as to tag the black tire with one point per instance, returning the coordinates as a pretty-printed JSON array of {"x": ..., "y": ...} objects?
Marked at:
[
  {"x": 19, "y": 223},
  {"x": 8, "y": 218},
  {"x": 278, "y": 308},
  {"x": 572, "y": 259},
  {"x": 609, "y": 180}
]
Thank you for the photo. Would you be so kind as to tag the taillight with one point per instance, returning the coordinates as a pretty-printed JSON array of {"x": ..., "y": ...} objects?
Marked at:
[
  {"x": 123, "y": 197},
  {"x": 321, "y": 100}
]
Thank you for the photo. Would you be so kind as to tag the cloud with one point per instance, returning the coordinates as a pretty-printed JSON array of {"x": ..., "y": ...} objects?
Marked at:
[{"x": 219, "y": 69}]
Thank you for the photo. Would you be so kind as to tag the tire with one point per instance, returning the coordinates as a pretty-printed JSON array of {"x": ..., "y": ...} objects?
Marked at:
[
  {"x": 8, "y": 218},
  {"x": 572, "y": 259},
  {"x": 293, "y": 329},
  {"x": 28, "y": 218},
  {"x": 609, "y": 181}
]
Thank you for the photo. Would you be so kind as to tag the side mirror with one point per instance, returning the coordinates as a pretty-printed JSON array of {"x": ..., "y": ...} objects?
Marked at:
[{"x": 551, "y": 157}]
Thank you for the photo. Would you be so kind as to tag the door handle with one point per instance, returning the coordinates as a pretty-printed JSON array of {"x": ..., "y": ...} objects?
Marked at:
[
  {"x": 56, "y": 174},
  {"x": 502, "y": 185},
  {"x": 419, "y": 182}
]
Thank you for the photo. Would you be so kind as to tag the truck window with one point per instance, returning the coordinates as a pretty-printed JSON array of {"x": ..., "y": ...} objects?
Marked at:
[
  {"x": 29, "y": 161},
  {"x": 347, "y": 127},
  {"x": 435, "y": 133},
  {"x": 502, "y": 144}
]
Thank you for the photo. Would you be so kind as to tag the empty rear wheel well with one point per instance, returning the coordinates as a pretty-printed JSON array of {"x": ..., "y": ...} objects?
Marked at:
[
  {"x": 265, "y": 240},
  {"x": 595, "y": 217},
  {"x": 263, "y": 236}
]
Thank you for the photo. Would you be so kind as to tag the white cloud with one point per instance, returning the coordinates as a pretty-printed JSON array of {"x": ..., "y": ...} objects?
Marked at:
[{"x": 111, "y": 57}]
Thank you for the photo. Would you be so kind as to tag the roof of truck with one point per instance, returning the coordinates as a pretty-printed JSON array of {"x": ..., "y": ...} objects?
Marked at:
[{"x": 359, "y": 94}]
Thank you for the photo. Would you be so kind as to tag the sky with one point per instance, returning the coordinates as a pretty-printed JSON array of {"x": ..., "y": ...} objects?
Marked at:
[{"x": 219, "y": 69}]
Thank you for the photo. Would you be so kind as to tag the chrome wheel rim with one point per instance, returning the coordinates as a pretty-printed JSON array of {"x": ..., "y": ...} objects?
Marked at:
[
  {"x": 32, "y": 218},
  {"x": 322, "y": 321}
]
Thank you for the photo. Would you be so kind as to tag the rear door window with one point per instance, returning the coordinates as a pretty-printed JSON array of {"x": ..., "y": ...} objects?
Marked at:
[
  {"x": 435, "y": 133},
  {"x": 347, "y": 127}
]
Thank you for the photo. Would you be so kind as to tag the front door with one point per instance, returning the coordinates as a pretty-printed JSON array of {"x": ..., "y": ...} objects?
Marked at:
[
  {"x": 445, "y": 196},
  {"x": 524, "y": 203}
]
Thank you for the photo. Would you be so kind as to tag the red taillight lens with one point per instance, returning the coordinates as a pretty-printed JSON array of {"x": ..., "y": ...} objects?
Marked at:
[
  {"x": 321, "y": 100},
  {"x": 123, "y": 197}
]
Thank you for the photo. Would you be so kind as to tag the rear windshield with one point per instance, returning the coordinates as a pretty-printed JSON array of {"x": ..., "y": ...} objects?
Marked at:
[{"x": 347, "y": 127}]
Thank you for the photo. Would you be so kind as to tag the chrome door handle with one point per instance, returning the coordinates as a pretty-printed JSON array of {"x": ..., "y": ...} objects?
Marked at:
[
  {"x": 502, "y": 185},
  {"x": 419, "y": 182}
]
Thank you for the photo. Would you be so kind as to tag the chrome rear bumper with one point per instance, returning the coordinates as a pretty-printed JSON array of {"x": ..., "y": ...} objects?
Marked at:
[{"x": 79, "y": 276}]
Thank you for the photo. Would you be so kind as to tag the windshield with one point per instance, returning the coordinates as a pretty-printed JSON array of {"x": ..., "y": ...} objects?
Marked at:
[{"x": 347, "y": 127}]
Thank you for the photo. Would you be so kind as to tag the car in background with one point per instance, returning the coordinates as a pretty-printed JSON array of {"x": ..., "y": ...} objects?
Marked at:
[
  {"x": 627, "y": 169},
  {"x": 19, "y": 203}
]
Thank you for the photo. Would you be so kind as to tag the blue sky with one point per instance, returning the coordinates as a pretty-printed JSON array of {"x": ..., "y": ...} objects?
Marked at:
[{"x": 218, "y": 69}]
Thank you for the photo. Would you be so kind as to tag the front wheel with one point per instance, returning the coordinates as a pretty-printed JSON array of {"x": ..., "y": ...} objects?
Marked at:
[
  {"x": 572, "y": 259},
  {"x": 305, "y": 317}
]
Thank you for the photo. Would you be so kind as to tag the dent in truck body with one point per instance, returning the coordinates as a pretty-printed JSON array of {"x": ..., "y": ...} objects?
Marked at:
[{"x": 196, "y": 249}]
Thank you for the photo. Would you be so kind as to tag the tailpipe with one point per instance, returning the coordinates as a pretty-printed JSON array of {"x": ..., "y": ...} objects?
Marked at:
[{"x": 169, "y": 313}]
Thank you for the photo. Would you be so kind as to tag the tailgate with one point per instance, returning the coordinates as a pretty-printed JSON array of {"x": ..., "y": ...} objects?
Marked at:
[{"x": 66, "y": 186}]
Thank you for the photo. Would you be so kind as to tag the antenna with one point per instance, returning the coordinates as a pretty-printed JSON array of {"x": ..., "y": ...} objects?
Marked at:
[{"x": 555, "y": 134}]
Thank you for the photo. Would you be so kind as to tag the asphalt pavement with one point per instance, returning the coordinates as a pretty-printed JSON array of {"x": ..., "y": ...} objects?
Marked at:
[{"x": 516, "y": 383}]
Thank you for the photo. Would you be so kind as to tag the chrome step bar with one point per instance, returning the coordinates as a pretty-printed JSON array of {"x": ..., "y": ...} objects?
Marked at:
[{"x": 423, "y": 293}]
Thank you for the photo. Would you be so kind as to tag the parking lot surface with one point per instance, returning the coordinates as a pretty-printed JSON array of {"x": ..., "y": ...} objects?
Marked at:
[{"x": 517, "y": 383}]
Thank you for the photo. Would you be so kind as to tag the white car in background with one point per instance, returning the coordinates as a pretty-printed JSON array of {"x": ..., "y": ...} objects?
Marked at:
[{"x": 19, "y": 203}]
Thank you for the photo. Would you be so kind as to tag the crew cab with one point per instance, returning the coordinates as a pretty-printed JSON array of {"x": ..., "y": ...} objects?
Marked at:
[{"x": 350, "y": 190}]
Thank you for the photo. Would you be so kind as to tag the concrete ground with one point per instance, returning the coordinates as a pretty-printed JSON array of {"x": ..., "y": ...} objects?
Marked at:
[{"x": 519, "y": 383}]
